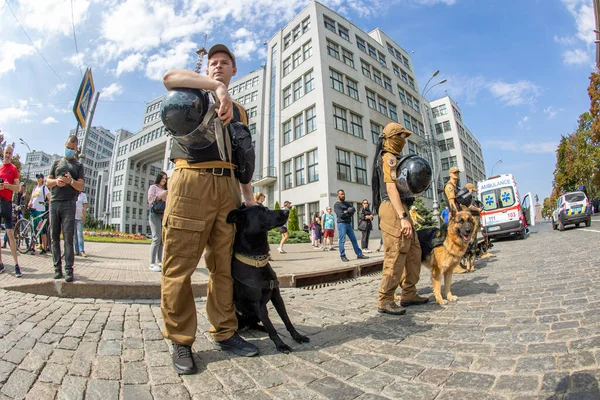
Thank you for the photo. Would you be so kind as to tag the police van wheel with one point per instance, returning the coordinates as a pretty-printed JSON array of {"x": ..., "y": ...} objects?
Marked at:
[{"x": 561, "y": 226}]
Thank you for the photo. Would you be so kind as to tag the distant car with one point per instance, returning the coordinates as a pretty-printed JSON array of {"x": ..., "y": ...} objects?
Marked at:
[{"x": 571, "y": 208}]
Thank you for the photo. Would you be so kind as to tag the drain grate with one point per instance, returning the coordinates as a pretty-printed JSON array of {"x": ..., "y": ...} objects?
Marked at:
[{"x": 339, "y": 282}]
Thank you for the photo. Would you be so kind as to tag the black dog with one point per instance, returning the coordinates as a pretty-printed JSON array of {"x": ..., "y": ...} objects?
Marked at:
[{"x": 255, "y": 282}]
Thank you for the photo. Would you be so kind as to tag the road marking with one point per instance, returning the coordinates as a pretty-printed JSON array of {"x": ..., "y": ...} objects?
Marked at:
[{"x": 590, "y": 230}]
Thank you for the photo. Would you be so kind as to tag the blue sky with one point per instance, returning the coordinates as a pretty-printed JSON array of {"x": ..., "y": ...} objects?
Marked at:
[{"x": 518, "y": 69}]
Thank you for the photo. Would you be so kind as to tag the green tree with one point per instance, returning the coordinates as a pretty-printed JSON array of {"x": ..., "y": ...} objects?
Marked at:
[
  {"x": 277, "y": 206},
  {"x": 293, "y": 224},
  {"x": 424, "y": 212}
]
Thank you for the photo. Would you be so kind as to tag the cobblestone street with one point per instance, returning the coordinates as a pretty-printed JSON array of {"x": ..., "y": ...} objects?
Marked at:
[{"x": 526, "y": 326}]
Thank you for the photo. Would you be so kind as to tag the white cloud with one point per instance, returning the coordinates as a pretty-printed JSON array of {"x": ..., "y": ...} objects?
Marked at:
[
  {"x": 241, "y": 33},
  {"x": 514, "y": 94},
  {"x": 130, "y": 64},
  {"x": 53, "y": 16},
  {"x": 529, "y": 148},
  {"x": 245, "y": 49},
  {"x": 14, "y": 114},
  {"x": 178, "y": 57},
  {"x": 109, "y": 92},
  {"x": 76, "y": 60},
  {"x": 10, "y": 52},
  {"x": 523, "y": 122},
  {"x": 551, "y": 111},
  {"x": 49, "y": 120},
  {"x": 576, "y": 57},
  {"x": 433, "y": 2},
  {"x": 567, "y": 40}
]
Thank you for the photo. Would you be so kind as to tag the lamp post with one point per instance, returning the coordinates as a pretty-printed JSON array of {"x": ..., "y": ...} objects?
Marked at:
[
  {"x": 431, "y": 146},
  {"x": 497, "y": 162},
  {"x": 29, "y": 163}
]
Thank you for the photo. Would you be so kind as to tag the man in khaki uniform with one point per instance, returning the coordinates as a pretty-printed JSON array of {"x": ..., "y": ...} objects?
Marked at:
[
  {"x": 202, "y": 192},
  {"x": 451, "y": 189},
  {"x": 476, "y": 210},
  {"x": 402, "y": 252}
]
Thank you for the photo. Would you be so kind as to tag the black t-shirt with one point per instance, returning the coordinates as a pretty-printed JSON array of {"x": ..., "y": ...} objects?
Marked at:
[{"x": 60, "y": 168}]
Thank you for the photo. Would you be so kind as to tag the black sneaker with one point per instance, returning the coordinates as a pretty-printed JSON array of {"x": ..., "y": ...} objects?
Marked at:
[
  {"x": 362, "y": 257},
  {"x": 18, "y": 273},
  {"x": 344, "y": 258},
  {"x": 69, "y": 275},
  {"x": 58, "y": 274},
  {"x": 239, "y": 346},
  {"x": 183, "y": 360},
  {"x": 43, "y": 252},
  {"x": 1, "y": 268}
]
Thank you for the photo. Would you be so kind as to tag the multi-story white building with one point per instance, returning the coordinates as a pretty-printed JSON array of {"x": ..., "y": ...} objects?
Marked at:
[
  {"x": 456, "y": 145},
  {"x": 330, "y": 90},
  {"x": 38, "y": 162}
]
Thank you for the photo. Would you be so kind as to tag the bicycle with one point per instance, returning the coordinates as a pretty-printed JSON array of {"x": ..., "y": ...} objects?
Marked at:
[{"x": 25, "y": 237}]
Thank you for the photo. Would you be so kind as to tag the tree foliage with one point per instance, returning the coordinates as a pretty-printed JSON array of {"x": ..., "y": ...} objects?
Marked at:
[
  {"x": 293, "y": 224},
  {"x": 424, "y": 212},
  {"x": 276, "y": 207},
  {"x": 594, "y": 93},
  {"x": 547, "y": 207}
]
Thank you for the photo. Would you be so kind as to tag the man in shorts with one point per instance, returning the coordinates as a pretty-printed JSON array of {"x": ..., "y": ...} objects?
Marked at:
[
  {"x": 328, "y": 221},
  {"x": 283, "y": 229}
]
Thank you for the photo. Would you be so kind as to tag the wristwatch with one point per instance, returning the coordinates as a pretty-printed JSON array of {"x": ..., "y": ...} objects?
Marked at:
[{"x": 404, "y": 215}]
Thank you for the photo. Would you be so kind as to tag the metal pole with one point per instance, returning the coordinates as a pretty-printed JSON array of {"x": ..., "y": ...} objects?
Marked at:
[{"x": 431, "y": 149}]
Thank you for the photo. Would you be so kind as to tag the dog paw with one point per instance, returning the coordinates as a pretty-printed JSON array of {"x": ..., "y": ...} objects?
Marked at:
[
  {"x": 284, "y": 348},
  {"x": 452, "y": 298},
  {"x": 300, "y": 339},
  {"x": 442, "y": 302}
]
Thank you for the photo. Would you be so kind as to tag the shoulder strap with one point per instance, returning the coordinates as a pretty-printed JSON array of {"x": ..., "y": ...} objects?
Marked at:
[{"x": 243, "y": 118}]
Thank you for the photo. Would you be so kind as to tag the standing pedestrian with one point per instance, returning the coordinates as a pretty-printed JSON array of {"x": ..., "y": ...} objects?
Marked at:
[
  {"x": 260, "y": 198},
  {"x": 9, "y": 183},
  {"x": 65, "y": 181},
  {"x": 328, "y": 224},
  {"x": 344, "y": 212},
  {"x": 316, "y": 228},
  {"x": 203, "y": 190},
  {"x": 157, "y": 197},
  {"x": 365, "y": 225},
  {"x": 80, "y": 213},
  {"x": 402, "y": 252},
  {"x": 40, "y": 197},
  {"x": 445, "y": 215},
  {"x": 284, "y": 229}
]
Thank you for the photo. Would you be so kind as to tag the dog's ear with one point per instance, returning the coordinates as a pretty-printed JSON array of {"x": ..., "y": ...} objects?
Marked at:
[{"x": 236, "y": 217}]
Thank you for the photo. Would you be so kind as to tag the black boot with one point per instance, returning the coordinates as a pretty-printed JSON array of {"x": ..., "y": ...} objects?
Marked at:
[
  {"x": 69, "y": 274},
  {"x": 58, "y": 273}
]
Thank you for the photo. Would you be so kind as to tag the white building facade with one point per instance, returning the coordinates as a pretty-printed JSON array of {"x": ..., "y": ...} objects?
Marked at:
[
  {"x": 330, "y": 88},
  {"x": 37, "y": 162},
  {"x": 457, "y": 146}
]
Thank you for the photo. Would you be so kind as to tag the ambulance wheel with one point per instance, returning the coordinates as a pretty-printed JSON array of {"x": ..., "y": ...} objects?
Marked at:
[
  {"x": 577, "y": 225},
  {"x": 561, "y": 226},
  {"x": 522, "y": 234},
  {"x": 553, "y": 225}
]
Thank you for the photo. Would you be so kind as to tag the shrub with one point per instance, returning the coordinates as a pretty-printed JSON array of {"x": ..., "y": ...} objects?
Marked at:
[
  {"x": 276, "y": 207},
  {"x": 295, "y": 237},
  {"x": 293, "y": 220}
]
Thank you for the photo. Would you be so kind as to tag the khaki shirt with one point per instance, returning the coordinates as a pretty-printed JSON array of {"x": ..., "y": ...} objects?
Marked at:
[
  {"x": 450, "y": 191},
  {"x": 389, "y": 167}
]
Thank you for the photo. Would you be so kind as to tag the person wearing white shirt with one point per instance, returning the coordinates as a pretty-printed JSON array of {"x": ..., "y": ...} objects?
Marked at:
[
  {"x": 40, "y": 195},
  {"x": 80, "y": 213}
]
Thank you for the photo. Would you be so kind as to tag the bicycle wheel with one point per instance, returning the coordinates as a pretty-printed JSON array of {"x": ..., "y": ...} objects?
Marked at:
[{"x": 24, "y": 236}]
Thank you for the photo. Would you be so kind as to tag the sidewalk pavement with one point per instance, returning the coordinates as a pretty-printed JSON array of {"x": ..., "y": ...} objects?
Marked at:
[{"x": 116, "y": 270}]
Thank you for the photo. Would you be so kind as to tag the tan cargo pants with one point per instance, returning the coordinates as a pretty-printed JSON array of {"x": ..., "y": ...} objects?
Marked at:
[
  {"x": 193, "y": 222},
  {"x": 401, "y": 259}
]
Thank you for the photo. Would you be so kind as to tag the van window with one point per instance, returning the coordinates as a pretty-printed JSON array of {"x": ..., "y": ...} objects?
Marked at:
[
  {"x": 573, "y": 197},
  {"x": 498, "y": 198}
]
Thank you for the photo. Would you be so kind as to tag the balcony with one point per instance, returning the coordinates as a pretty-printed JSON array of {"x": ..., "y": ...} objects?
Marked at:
[{"x": 266, "y": 177}]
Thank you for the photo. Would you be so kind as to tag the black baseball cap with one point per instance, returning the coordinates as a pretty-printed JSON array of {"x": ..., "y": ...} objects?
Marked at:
[{"x": 39, "y": 176}]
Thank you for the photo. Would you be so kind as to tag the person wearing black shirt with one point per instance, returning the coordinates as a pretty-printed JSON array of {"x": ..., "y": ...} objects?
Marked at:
[{"x": 344, "y": 212}]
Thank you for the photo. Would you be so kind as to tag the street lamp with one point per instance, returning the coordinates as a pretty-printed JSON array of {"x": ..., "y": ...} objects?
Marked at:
[
  {"x": 28, "y": 163},
  {"x": 431, "y": 146},
  {"x": 497, "y": 162}
]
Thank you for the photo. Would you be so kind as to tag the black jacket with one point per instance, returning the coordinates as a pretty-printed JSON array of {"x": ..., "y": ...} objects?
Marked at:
[{"x": 361, "y": 217}]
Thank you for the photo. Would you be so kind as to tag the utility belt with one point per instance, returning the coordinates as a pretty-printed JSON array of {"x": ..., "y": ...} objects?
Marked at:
[{"x": 216, "y": 168}]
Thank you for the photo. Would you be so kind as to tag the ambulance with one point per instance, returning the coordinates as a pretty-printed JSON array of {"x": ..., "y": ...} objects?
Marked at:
[{"x": 504, "y": 213}]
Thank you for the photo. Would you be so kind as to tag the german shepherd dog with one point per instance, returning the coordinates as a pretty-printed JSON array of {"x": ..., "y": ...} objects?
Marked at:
[
  {"x": 255, "y": 282},
  {"x": 442, "y": 259}
]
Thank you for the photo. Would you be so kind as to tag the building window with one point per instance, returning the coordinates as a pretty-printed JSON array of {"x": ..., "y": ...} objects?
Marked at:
[
  {"x": 356, "y": 128},
  {"x": 446, "y": 126},
  {"x": 393, "y": 112},
  {"x": 287, "y": 132},
  {"x": 361, "y": 43},
  {"x": 287, "y": 97},
  {"x": 381, "y": 58},
  {"x": 305, "y": 25},
  {"x": 445, "y": 164},
  {"x": 307, "y": 50},
  {"x": 337, "y": 80},
  {"x": 287, "y": 66},
  {"x": 372, "y": 51},
  {"x": 401, "y": 94},
  {"x": 390, "y": 48},
  {"x": 313, "y": 165},
  {"x": 287, "y": 40},
  {"x": 453, "y": 162},
  {"x": 375, "y": 132},
  {"x": 309, "y": 83},
  {"x": 343, "y": 32},
  {"x": 299, "y": 166},
  {"x": 371, "y": 99},
  {"x": 339, "y": 119},
  {"x": 360, "y": 166},
  {"x": 298, "y": 122},
  {"x": 412, "y": 148},
  {"x": 366, "y": 69},
  {"x": 377, "y": 77},
  {"x": 383, "y": 106},
  {"x": 296, "y": 32},
  {"x": 297, "y": 89},
  {"x": 343, "y": 165},
  {"x": 329, "y": 24},
  {"x": 252, "y": 129},
  {"x": 311, "y": 120},
  {"x": 407, "y": 121},
  {"x": 296, "y": 59},
  {"x": 405, "y": 62},
  {"x": 438, "y": 128},
  {"x": 442, "y": 145},
  {"x": 387, "y": 83},
  {"x": 352, "y": 88},
  {"x": 333, "y": 50},
  {"x": 348, "y": 57},
  {"x": 287, "y": 174}
]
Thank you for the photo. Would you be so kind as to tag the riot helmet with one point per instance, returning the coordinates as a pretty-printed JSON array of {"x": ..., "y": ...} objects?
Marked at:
[
  {"x": 188, "y": 115},
  {"x": 464, "y": 197},
  {"x": 413, "y": 176}
]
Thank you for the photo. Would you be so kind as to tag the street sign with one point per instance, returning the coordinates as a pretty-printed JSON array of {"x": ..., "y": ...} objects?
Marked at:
[{"x": 84, "y": 98}]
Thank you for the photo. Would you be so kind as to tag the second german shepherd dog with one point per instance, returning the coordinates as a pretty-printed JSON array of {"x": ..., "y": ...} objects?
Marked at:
[{"x": 444, "y": 258}]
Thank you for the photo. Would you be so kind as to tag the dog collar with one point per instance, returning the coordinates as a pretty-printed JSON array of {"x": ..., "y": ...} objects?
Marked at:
[{"x": 252, "y": 261}]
